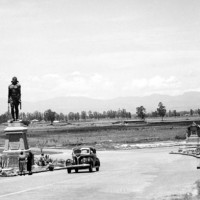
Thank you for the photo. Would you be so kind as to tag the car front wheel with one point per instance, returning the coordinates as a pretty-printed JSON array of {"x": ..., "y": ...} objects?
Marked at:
[
  {"x": 69, "y": 171},
  {"x": 76, "y": 170},
  {"x": 97, "y": 169},
  {"x": 90, "y": 169}
]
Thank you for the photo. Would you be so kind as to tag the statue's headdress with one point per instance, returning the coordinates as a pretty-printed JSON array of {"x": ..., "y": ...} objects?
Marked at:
[{"x": 14, "y": 80}]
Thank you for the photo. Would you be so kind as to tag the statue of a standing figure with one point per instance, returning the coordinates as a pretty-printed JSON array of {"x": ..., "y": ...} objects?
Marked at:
[{"x": 14, "y": 98}]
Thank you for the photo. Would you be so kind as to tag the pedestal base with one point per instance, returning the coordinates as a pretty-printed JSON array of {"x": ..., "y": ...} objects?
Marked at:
[
  {"x": 16, "y": 142},
  {"x": 193, "y": 140},
  {"x": 10, "y": 158}
]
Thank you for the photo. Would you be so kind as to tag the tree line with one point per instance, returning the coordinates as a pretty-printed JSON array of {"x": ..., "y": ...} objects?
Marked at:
[
  {"x": 141, "y": 113},
  {"x": 51, "y": 116},
  {"x": 161, "y": 111}
]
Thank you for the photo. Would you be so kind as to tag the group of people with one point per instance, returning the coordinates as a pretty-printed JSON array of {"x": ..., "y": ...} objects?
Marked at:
[
  {"x": 44, "y": 160},
  {"x": 25, "y": 162}
]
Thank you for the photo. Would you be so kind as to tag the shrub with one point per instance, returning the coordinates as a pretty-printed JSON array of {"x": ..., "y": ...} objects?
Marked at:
[
  {"x": 26, "y": 122},
  {"x": 178, "y": 137}
]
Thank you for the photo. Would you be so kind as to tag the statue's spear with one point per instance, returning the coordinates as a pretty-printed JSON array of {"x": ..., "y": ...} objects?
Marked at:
[
  {"x": 8, "y": 110},
  {"x": 20, "y": 105}
]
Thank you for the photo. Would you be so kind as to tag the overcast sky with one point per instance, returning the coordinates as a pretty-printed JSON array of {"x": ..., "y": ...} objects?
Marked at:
[{"x": 99, "y": 48}]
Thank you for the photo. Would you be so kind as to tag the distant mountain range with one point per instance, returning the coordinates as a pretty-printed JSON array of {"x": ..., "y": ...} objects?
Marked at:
[{"x": 186, "y": 101}]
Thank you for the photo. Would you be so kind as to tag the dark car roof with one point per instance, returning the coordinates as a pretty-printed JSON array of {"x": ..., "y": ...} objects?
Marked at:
[
  {"x": 84, "y": 147},
  {"x": 92, "y": 148}
]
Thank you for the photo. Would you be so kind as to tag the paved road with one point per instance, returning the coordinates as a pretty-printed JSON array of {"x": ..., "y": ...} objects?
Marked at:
[{"x": 136, "y": 174}]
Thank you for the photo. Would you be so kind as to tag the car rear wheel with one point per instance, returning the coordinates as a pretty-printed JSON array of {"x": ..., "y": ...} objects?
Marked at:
[
  {"x": 97, "y": 169},
  {"x": 69, "y": 171},
  {"x": 76, "y": 170}
]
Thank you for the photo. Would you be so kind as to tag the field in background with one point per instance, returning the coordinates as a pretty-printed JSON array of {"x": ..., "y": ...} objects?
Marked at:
[{"x": 105, "y": 133}]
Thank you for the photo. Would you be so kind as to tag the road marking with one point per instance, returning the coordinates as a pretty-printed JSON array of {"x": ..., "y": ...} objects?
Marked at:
[{"x": 22, "y": 191}]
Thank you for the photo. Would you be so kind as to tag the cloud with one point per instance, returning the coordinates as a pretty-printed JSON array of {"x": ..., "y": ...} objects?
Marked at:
[
  {"x": 152, "y": 85},
  {"x": 73, "y": 84},
  {"x": 159, "y": 82},
  {"x": 95, "y": 85},
  {"x": 155, "y": 82}
]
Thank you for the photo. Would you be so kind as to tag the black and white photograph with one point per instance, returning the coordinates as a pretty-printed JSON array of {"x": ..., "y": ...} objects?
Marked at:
[{"x": 100, "y": 99}]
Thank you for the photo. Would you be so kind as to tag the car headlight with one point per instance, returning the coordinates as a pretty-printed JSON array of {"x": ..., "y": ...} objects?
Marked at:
[{"x": 84, "y": 160}]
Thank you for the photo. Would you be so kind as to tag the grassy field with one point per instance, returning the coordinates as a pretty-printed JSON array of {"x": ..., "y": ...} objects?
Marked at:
[{"x": 103, "y": 132}]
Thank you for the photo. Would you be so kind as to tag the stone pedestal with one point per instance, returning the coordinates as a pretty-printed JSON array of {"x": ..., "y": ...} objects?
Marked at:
[
  {"x": 16, "y": 141},
  {"x": 193, "y": 135},
  {"x": 193, "y": 140}
]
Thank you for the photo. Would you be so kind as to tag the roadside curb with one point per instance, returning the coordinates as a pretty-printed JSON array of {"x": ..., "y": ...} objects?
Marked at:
[
  {"x": 185, "y": 154},
  {"x": 55, "y": 169},
  {"x": 33, "y": 172}
]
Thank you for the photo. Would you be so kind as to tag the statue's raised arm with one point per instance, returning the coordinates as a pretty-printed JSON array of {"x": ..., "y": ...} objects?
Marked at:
[{"x": 14, "y": 97}]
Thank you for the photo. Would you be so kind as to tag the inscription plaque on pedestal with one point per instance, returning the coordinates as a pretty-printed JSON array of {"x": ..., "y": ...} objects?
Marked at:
[{"x": 14, "y": 145}]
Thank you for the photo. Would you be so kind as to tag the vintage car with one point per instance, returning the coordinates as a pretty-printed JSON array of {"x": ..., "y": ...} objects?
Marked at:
[{"x": 83, "y": 158}]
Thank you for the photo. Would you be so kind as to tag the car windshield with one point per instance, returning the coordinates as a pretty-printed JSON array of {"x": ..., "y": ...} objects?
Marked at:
[
  {"x": 77, "y": 151},
  {"x": 85, "y": 151}
]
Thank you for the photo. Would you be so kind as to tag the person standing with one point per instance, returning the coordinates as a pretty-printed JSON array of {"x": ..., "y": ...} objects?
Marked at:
[
  {"x": 22, "y": 163},
  {"x": 30, "y": 161},
  {"x": 42, "y": 160},
  {"x": 14, "y": 97}
]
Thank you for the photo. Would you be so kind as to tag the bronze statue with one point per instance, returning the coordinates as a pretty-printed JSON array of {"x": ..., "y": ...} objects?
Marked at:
[{"x": 14, "y": 98}]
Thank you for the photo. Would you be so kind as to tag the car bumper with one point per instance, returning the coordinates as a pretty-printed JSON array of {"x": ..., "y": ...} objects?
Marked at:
[{"x": 82, "y": 166}]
